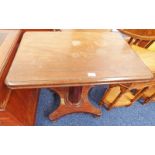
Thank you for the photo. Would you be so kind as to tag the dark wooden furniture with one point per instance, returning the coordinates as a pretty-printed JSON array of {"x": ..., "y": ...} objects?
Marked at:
[
  {"x": 140, "y": 37},
  {"x": 144, "y": 38},
  {"x": 16, "y": 107},
  {"x": 86, "y": 30},
  {"x": 149, "y": 95},
  {"x": 73, "y": 62},
  {"x": 148, "y": 57},
  {"x": 119, "y": 93},
  {"x": 41, "y": 30}
]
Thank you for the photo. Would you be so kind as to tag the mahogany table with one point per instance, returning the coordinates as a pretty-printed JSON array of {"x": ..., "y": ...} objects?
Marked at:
[{"x": 71, "y": 63}]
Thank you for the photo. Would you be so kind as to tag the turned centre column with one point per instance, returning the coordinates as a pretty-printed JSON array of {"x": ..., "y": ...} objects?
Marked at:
[{"x": 74, "y": 95}]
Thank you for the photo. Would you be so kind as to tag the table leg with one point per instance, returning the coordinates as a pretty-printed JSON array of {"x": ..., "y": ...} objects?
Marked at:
[{"x": 73, "y": 100}]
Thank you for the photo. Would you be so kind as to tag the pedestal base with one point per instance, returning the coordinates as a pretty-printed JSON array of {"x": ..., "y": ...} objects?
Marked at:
[{"x": 67, "y": 106}]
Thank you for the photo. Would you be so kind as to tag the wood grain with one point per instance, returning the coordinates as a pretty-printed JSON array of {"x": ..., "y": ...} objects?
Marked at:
[
  {"x": 68, "y": 106},
  {"x": 143, "y": 34},
  {"x": 53, "y": 59},
  {"x": 148, "y": 57},
  {"x": 7, "y": 44},
  {"x": 22, "y": 105},
  {"x": 124, "y": 100},
  {"x": 16, "y": 107},
  {"x": 8, "y": 49},
  {"x": 142, "y": 38}
]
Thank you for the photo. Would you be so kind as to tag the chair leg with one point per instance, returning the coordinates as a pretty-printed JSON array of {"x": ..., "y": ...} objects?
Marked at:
[
  {"x": 106, "y": 94},
  {"x": 149, "y": 99},
  {"x": 138, "y": 95},
  {"x": 131, "y": 39},
  {"x": 136, "y": 41},
  {"x": 124, "y": 90},
  {"x": 149, "y": 43}
]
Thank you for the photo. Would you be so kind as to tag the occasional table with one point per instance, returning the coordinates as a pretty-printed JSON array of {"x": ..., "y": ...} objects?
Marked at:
[{"x": 71, "y": 63}]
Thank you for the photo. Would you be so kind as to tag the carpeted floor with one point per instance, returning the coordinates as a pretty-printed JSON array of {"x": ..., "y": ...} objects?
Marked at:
[{"x": 136, "y": 114}]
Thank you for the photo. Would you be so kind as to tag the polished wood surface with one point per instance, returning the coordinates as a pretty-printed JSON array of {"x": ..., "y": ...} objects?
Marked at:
[
  {"x": 9, "y": 43},
  {"x": 113, "y": 96},
  {"x": 70, "y": 61},
  {"x": 41, "y": 30},
  {"x": 73, "y": 100},
  {"x": 143, "y": 34},
  {"x": 148, "y": 57},
  {"x": 140, "y": 37},
  {"x": 2, "y": 37},
  {"x": 17, "y": 107},
  {"x": 74, "y": 94},
  {"x": 53, "y": 59},
  {"x": 149, "y": 95},
  {"x": 22, "y": 104},
  {"x": 121, "y": 95},
  {"x": 20, "y": 108},
  {"x": 86, "y": 30}
]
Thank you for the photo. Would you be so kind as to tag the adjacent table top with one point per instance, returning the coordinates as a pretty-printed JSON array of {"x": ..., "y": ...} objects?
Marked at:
[
  {"x": 8, "y": 39},
  {"x": 146, "y": 34},
  {"x": 53, "y": 59}
]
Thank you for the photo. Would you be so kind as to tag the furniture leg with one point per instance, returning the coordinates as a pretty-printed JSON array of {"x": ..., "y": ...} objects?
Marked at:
[
  {"x": 124, "y": 90},
  {"x": 73, "y": 100},
  {"x": 138, "y": 95},
  {"x": 149, "y": 99}
]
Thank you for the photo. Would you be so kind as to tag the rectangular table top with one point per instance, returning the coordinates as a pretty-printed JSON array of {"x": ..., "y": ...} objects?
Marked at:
[{"x": 53, "y": 59}]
